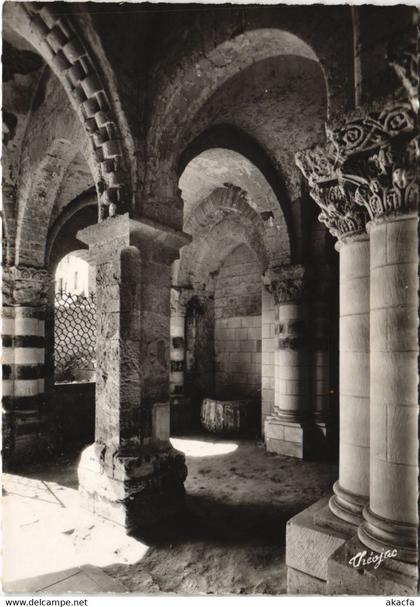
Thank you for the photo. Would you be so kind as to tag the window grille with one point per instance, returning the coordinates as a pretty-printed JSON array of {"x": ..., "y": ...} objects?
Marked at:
[{"x": 74, "y": 337}]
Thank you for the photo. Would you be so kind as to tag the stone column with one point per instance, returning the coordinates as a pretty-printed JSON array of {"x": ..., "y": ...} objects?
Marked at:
[
  {"x": 351, "y": 490},
  {"x": 131, "y": 474},
  {"x": 25, "y": 402},
  {"x": 391, "y": 196},
  {"x": 346, "y": 222},
  {"x": 177, "y": 333},
  {"x": 289, "y": 430},
  {"x": 180, "y": 404},
  {"x": 369, "y": 169}
]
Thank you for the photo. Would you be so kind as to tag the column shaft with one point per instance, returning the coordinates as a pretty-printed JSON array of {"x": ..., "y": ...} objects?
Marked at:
[
  {"x": 352, "y": 488},
  {"x": 392, "y": 517},
  {"x": 177, "y": 332},
  {"x": 291, "y": 363}
]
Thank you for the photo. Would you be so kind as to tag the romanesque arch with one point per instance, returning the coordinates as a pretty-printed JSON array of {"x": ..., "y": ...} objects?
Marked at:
[{"x": 56, "y": 37}]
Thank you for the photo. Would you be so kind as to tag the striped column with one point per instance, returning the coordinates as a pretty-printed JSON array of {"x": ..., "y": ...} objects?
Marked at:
[
  {"x": 177, "y": 351},
  {"x": 23, "y": 365}
]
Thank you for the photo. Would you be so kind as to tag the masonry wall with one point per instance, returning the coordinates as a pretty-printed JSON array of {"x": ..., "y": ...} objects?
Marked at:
[{"x": 237, "y": 305}]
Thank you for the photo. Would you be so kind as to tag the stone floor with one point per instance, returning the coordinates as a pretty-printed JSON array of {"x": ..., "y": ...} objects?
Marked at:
[{"x": 229, "y": 541}]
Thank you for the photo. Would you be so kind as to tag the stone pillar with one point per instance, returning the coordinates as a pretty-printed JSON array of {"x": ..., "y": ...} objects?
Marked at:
[
  {"x": 391, "y": 518},
  {"x": 25, "y": 402},
  {"x": 369, "y": 169},
  {"x": 291, "y": 429},
  {"x": 392, "y": 199},
  {"x": 131, "y": 475},
  {"x": 351, "y": 491}
]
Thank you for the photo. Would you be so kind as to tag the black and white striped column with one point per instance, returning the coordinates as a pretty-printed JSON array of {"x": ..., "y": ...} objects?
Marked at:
[{"x": 23, "y": 362}]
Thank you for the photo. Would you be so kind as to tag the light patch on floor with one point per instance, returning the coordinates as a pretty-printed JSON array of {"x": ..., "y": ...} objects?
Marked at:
[{"x": 200, "y": 448}]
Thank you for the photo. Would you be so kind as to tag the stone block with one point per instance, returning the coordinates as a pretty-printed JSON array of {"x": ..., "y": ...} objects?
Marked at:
[
  {"x": 152, "y": 488},
  {"x": 402, "y": 241},
  {"x": 161, "y": 421},
  {"x": 282, "y": 447},
  {"x": 394, "y": 286},
  {"x": 402, "y": 434},
  {"x": 354, "y": 333},
  {"x": 394, "y": 491},
  {"x": 254, "y": 333},
  {"x": 293, "y": 433},
  {"x": 354, "y": 458},
  {"x": 302, "y": 583},
  {"x": 308, "y": 545},
  {"x": 354, "y": 260},
  {"x": 399, "y": 330},
  {"x": 354, "y": 420},
  {"x": 394, "y": 378},
  {"x": 354, "y": 374},
  {"x": 233, "y": 323},
  {"x": 354, "y": 296},
  {"x": 378, "y": 245},
  {"x": 390, "y": 578}
]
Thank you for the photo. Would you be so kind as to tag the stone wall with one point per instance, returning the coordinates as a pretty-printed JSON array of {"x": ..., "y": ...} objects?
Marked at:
[{"x": 238, "y": 327}]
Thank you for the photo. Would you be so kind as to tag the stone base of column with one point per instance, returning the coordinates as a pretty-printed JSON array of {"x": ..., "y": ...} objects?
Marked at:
[
  {"x": 346, "y": 505},
  {"x": 319, "y": 547},
  {"x": 312, "y": 537},
  {"x": 304, "y": 440},
  {"x": 380, "y": 534},
  {"x": 389, "y": 577},
  {"x": 135, "y": 491}
]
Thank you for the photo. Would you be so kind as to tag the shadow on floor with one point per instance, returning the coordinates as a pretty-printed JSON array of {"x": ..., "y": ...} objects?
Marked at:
[{"x": 207, "y": 519}]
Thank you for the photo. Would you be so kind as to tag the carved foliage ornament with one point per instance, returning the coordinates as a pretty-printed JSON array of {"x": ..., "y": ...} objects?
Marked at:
[
  {"x": 331, "y": 192},
  {"x": 373, "y": 131},
  {"x": 372, "y": 173},
  {"x": 25, "y": 285},
  {"x": 286, "y": 283}
]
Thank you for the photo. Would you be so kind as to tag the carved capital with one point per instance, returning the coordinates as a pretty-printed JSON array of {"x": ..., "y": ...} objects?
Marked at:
[
  {"x": 286, "y": 283},
  {"x": 372, "y": 131},
  {"x": 383, "y": 166},
  {"x": 340, "y": 214},
  {"x": 318, "y": 163},
  {"x": 332, "y": 194},
  {"x": 393, "y": 185},
  {"x": 367, "y": 170},
  {"x": 25, "y": 285}
]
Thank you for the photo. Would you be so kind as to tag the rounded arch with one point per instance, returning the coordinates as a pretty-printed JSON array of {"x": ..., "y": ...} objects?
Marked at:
[
  {"x": 193, "y": 85},
  {"x": 219, "y": 224},
  {"x": 62, "y": 239},
  {"x": 55, "y": 36},
  {"x": 37, "y": 200},
  {"x": 232, "y": 138}
]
